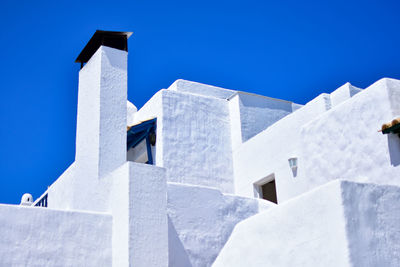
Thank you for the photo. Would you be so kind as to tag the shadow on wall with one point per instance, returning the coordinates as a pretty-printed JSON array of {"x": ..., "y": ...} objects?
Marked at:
[
  {"x": 394, "y": 149},
  {"x": 176, "y": 252}
]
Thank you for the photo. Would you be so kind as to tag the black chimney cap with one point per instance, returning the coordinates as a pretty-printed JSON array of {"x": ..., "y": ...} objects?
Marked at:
[{"x": 118, "y": 40}]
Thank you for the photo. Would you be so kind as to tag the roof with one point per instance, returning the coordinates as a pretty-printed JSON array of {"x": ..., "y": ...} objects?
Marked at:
[
  {"x": 118, "y": 40},
  {"x": 391, "y": 127}
]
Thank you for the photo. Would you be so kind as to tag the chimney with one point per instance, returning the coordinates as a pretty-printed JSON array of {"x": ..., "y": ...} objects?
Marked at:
[{"x": 102, "y": 96}]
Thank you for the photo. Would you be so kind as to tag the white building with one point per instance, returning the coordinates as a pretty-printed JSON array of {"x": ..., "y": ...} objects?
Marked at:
[{"x": 218, "y": 161}]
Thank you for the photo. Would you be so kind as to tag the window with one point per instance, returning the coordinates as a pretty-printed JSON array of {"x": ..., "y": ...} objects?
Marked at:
[
  {"x": 141, "y": 139},
  {"x": 266, "y": 189}
]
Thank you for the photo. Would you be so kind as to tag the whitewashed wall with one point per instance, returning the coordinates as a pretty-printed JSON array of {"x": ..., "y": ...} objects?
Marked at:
[
  {"x": 257, "y": 113},
  {"x": 118, "y": 206},
  {"x": 131, "y": 110},
  {"x": 305, "y": 134},
  {"x": 196, "y": 140},
  {"x": 200, "y": 221},
  {"x": 148, "y": 225},
  {"x": 32, "y": 236},
  {"x": 198, "y": 126},
  {"x": 193, "y": 137},
  {"x": 345, "y": 142},
  {"x": 372, "y": 223},
  {"x": 338, "y": 224},
  {"x": 135, "y": 196},
  {"x": 343, "y": 93},
  {"x": 201, "y": 89},
  {"x": 60, "y": 193},
  {"x": 306, "y": 231},
  {"x": 268, "y": 152}
]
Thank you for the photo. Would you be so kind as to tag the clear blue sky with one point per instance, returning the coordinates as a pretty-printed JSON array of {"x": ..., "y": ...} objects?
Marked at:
[{"x": 292, "y": 50}]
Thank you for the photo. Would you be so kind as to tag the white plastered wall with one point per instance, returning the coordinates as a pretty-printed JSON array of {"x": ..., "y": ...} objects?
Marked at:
[
  {"x": 193, "y": 137},
  {"x": 148, "y": 226},
  {"x": 306, "y": 231},
  {"x": 135, "y": 195},
  {"x": 257, "y": 113},
  {"x": 343, "y": 93},
  {"x": 196, "y": 140},
  {"x": 372, "y": 215},
  {"x": 338, "y": 224},
  {"x": 345, "y": 142},
  {"x": 200, "y": 221},
  {"x": 268, "y": 152},
  {"x": 196, "y": 123},
  {"x": 201, "y": 89},
  {"x": 33, "y": 236}
]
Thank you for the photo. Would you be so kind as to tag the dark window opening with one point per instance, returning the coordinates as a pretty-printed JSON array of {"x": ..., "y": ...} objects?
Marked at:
[{"x": 268, "y": 191}]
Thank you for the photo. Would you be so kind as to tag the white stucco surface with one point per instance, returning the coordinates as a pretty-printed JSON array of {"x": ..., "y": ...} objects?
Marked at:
[
  {"x": 372, "y": 223},
  {"x": 263, "y": 155},
  {"x": 193, "y": 127},
  {"x": 329, "y": 141},
  {"x": 236, "y": 126},
  {"x": 201, "y": 89},
  {"x": 306, "y": 231},
  {"x": 118, "y": 206},
  {"x": 198, "y": 120},
  {"x": 131, "y": 109},
  {"x": 343, "y": 93},
  {"x": 190, "y": 126},
  {"x": 201, "y": 220},
  {"x": 258, "y": 113},
  {"x": 350, "y": 146},
  {"x": 61, "y": 192},
  {"x": 135, "y": 195},
  {"x": 338, "y": 224},
  {"x": 148, "y": 225},
  {"x": 32, "y": 236}
]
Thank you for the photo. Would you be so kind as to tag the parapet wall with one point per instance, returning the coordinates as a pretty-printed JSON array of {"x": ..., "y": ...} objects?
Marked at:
[{"x": 33, "y": 236}]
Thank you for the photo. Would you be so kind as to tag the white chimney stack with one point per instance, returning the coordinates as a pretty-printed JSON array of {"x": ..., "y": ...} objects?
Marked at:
[{"x": 101, "y": 121}]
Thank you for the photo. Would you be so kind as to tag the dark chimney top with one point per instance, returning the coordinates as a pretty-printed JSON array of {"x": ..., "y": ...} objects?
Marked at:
[{"x": 118, "y": 40}]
